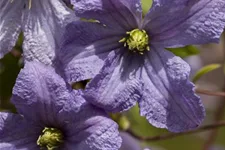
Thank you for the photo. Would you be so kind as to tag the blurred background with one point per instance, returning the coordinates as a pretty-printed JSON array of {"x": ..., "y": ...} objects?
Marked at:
[{"x": 11, "y": 64}]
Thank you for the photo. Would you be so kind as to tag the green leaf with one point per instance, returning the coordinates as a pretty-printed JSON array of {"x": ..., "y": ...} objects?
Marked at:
[
  {"x": 146, "y": 5},
  {"x": 184, "y": 51},
  {"x": 205, "y": 70}
]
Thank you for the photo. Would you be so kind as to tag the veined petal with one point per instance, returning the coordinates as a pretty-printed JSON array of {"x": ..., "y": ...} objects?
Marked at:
[
  {"x": 42, "y": 97},
  {"x": 43, "y": 26},
  {"x": 92, "y": 130},
  {"x": 168, "y": 99},
  {"x": 84, "y": 48},
  {"x": 180, "y": 23},
  {"x": 39, "y": 93},
  {"x": 117, "y": 86},
  {"x": 10, "y": 24},
  {"x": 119, "y": 14},
  {"x": 17, "y": 133}
]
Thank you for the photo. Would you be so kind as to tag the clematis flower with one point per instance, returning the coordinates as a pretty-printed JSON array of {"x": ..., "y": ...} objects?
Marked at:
[
  {"x": 51, "y": 116},
  {"x": 127, "y": 52},
  {"x": 42, "y": 23}
]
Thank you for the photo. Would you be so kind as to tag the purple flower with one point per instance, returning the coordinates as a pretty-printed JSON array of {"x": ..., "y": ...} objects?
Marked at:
[
  {"x": 54, "y": 116},
  {"x": 130, "y": 51},
  {"x": 42, "y": 23}
]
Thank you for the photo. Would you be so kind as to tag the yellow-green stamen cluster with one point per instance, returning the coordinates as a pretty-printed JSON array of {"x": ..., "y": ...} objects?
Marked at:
[
  {"x": 137, "y": 41},
  {"x": 51, "y": 138}
]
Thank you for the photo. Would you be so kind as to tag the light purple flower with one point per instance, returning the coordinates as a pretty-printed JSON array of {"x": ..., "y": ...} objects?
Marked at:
[
  {"x": 141, "y": 71},
  {"x": 42, "y": 23},
  {"x": 44, "y": 103}
]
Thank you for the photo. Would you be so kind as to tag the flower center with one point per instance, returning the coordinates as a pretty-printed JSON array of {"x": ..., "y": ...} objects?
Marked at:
[
  {"x": 137, "y": 41},
  {"x": 51, "y": 138}
]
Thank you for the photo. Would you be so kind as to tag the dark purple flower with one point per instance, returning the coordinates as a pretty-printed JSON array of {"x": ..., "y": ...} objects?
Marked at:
[
  {"x": 137, "y": 68},
  {"x": 53, "y": 115}
]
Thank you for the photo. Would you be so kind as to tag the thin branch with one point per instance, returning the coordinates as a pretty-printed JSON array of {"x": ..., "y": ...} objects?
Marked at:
[
  {"x": 210, "y": 93},
  {"x": 172, "y": 135}
]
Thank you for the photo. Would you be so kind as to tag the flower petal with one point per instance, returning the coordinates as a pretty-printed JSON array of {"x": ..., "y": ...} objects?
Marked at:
[
  {"x": 84, "y": 48},
  {"x": 10, "y": 24},
  {"x": 180, "y": 23},
  {"x": 17, "y": 133},
  {"x": 116, "y": 87},
  {"x": 125, "y": 14},
  {"x": 39, "y": 93},
  {"x": 43, "y": 25},
  {"x": 168, "y": 99},
  {"x": 42, "y": 97},
  {"x": 92, "y": 130}
]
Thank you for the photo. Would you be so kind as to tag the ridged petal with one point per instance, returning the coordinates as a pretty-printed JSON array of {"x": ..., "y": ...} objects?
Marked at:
[
  {"x": 10, "y": 24},
  {"x": 178, "y": 23}
]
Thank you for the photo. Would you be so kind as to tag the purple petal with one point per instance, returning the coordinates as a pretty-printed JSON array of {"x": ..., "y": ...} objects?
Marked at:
[
  {"x": 179, "y": 23},
  {"x": 43, "y": 25},
  {"x": 17, "y": 133},
  {"x": 116, "y": 87},
  {"x": 42, "y": 97},
  {"x": 168, "y": 99},
  {"x": 125, "y": 14},
  {"x": 10, "y": 24},
  {"x": 39, "y": 93},
  {"x": 84, "y": 48},
  {"x": 92, "y": 130}
]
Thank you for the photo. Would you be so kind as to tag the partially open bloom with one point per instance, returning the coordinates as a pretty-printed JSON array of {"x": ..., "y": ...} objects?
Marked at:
[
  {"x": 137, "y": 67},
  {"x": 42, "y": 23},
  {"x": 51, "y": 116}
]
